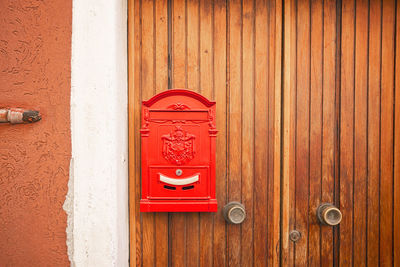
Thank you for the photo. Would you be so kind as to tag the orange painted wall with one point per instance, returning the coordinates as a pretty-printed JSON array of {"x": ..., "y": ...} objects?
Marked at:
[{"x": 35, "y": 55}]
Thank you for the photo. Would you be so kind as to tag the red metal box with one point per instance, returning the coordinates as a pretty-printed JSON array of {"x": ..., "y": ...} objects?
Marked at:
[{"x": 178, "y": 152}]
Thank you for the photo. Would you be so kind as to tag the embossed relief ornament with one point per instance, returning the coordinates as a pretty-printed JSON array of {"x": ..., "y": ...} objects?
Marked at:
[{"x": 178, "y": 146}]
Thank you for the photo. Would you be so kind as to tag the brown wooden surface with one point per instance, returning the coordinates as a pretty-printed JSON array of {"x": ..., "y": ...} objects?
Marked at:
[
  {"x": 217, "y": 49},
  {"x": 340, "y": 131},
  {"x": 339, "y": 123},
  {"x": 387, "y": 102},
  {"x": 346, "y": 139},
  {"x": 328, "y": 123},
  {"x": 360, "y": 132},
  {"x": 396, "y": 185},
  {"x": 374, "y": 64}
]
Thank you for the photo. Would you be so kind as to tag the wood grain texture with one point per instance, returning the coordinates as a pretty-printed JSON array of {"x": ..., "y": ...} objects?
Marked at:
[
  {"x": 134, "y": 156},
  {"x": 315, "y": 130},
  {"x": 261, "y": 173},
  {"x": 275, "y": 122},
  {"x": 374, "y": 106},
  {"x": 339, "y": 126},
  {"x": 348, "y": 54},
  {"x": 346, "y": 146},
  {"x": 328, "y": 124},
  {"x": 206, "y": 89},
  {"x": 177, "y": 230},
  {"x": 396, "y": 185},
  {"x": 132, "y": 29},
  {"x": 193, "y": 83},
  {"x": 147, "y": 91},
  {"x": 161, "y": 82},
  {"x": 360, "y": 133},
  {"x": 387, "y": 102},
  {"x": 213, "y": 51},
  {"x": 302, "y": 134},
  {"x": 247, "y": 164},
  {"x": 289, "y": 96},
  {"x": 220, "y": 91},
  {"x": 235, "y": 123}
]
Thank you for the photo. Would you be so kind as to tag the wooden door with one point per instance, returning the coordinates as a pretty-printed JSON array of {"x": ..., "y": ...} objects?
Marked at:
[
  {"x": 340, "y": 110},
  {"x": 230, "y": 53},
  {"x": 341, "y": 132}
]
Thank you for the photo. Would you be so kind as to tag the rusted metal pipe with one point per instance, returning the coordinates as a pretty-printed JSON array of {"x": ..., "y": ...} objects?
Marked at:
[{"x": 19, "y": 115}]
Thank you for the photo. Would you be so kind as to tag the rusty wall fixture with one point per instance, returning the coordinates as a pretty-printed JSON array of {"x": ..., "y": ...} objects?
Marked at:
[{"x": 19, "y": 115}]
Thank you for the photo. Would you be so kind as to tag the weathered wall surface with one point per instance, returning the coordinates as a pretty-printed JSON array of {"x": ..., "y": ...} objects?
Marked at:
[{"x": 35, "y": 45}]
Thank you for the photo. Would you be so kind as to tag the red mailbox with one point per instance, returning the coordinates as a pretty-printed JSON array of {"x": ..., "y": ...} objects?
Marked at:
[{"x": 178, "y": 152}]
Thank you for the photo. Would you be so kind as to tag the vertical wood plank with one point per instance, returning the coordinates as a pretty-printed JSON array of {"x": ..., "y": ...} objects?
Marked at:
[
  {"x": 133, "y": 118},
  {"x": 220, "y": 89},
  {"x": 247, "y": 163},
  {"x": 193, "y": 44},
  {"x": 161, "y": 84},
  {"x": 193, "y": 83},
  {"x": 206, "y": 88},
  {"x": 374, "y": 132},
  {"x": 271, "y": 246},
  {"x": 328, "y": 123},
  {"x": 396, "y": 186},
  {"x": 360, "y": 133},
  {"x": 235, "y": 122},
  {"x": 336, "y": 231},
  {"x": 137, "y": 126},
  {"x": 147, "y": 90},
  {"x": 288, "y": 158},
  {"x": 346, "y": 133},
  {"x": 276, "y": 83},
  {"x": 179, "y": 80},
  {"x": 302, "y": 131},
  {"x": 315, "y": 131},
  {"x": 387, "y": 96},
  {"x": 261, "y": 131},
  {"x": 178, "y": 43}
]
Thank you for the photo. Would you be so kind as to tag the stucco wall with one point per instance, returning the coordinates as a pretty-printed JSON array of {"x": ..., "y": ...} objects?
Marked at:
[
  {"x": 35, "y": 45},
  {"x": 97, "y": 203}
]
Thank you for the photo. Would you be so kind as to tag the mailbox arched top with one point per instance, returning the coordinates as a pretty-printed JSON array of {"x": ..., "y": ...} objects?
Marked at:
[{"x": 182, "y": 92}]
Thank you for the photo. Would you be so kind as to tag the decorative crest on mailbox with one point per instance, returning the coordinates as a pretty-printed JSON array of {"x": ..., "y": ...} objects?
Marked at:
[
  {"x": 178, "y": 106},
  {"x": 178, "y": 146}
]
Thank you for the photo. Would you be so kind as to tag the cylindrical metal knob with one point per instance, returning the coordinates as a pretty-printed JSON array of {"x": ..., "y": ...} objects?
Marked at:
[
  {"x": 328, "y": 214},
  {"x": 234, "y": 212}
]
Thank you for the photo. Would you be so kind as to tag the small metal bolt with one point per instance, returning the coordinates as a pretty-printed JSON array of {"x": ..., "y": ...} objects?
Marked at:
[
  {"x": 178, "y": 172},
  {"x": 294, "y": 235}
]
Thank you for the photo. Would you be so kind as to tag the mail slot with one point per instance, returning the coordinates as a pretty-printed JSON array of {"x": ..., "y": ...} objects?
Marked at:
[{"x": 178, "y": 153}]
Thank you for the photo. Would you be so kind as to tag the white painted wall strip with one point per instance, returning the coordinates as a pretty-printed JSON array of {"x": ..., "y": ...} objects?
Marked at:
[{"x": 97, "y": 202}]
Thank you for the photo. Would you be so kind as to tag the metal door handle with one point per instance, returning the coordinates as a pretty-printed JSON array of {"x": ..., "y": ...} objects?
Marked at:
[
  {"x": 328, "y": 214},
  {"x": 234, "y": 212},
  {"x": 19, "y": 115}
]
